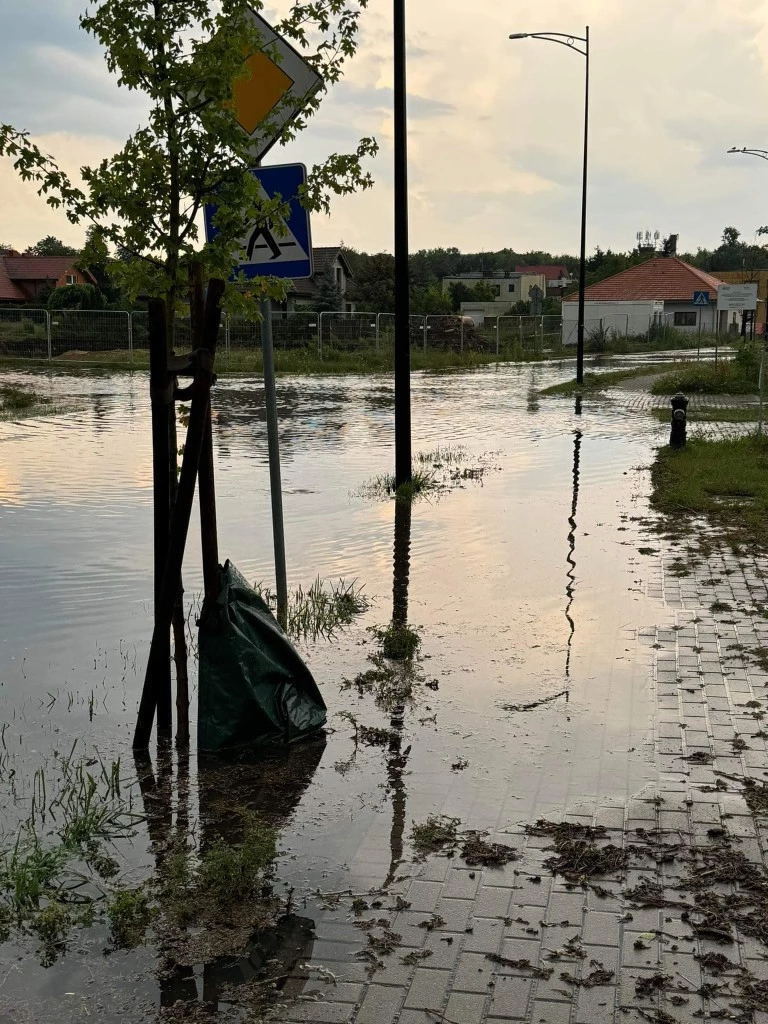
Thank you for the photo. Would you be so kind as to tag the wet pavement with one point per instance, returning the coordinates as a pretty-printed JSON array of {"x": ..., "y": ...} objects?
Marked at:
[{"x": 546, "y": 687}]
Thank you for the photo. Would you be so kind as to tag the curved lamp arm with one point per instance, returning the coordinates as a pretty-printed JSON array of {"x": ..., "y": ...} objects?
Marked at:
[
  {"x": 563, "y": 38},
  {"x": 762, "y": 153}
]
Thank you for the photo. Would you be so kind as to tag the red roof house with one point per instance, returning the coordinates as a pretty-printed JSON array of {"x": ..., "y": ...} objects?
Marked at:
[
  {"x": 23, "y": 277},
  {"x": 659, "y": 279}
]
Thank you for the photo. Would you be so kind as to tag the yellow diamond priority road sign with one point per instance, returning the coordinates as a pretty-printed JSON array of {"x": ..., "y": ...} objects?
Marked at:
[{"x": 279, "y": 86}]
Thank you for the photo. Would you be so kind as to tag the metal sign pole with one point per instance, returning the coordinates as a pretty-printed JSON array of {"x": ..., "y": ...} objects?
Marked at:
[
  {"x": 273, "y": 442},
  {"x": 762, "y": 388}
]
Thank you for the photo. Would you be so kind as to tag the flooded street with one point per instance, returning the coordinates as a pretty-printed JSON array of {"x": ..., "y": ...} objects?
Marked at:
[{"x": 524, "y": 581}]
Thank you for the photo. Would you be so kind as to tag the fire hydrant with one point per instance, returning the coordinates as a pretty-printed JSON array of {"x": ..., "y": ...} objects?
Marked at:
[{"x": 679, "y": 420}]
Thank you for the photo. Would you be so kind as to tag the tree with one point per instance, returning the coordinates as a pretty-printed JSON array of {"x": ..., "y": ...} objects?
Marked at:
[
  {"x": 328, "y": 299},
  {"x": 50, "y": 246},
  {"x": 185, "y": 56},
  {"x": 373, "y": 284},
  {"x": 730, "y": 236},
  {"x": 460, "y": 292},
  {"x": 76, "y": 296},
  {"x": 430, "y": 301}
]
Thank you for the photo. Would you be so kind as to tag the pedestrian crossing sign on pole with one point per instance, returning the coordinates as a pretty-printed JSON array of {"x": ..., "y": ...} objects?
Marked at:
[
  {"x": 701, "y": 298},
  {"x": 267, "y": 248}
]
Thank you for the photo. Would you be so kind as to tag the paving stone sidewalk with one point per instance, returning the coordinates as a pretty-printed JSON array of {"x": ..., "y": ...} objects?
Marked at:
[{"x": 517, "y": 943}]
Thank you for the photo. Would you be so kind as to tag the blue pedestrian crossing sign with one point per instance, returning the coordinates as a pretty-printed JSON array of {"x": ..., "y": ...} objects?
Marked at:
[
  {"x": 701, "y": 298},
  {"x": 272, "y": 249}
]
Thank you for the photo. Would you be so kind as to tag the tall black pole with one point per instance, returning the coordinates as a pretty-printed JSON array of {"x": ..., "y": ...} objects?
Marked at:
[
  {"x": 402, "y": 294},
  {"x": 583, "y": 256}
]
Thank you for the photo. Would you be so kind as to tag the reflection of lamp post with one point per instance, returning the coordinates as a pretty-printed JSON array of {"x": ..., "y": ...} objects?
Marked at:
[
  {"x": 572, "y": 42},
  {"x": 570, "y": 586},
  {"x": 397, "y": 758}
]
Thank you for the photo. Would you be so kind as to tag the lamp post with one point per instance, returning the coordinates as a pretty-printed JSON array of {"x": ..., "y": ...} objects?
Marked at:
[
  {"x": 762, "y": 153},
  {"x": 402, "y": 283},
  {"x": 575, "y": 43}
]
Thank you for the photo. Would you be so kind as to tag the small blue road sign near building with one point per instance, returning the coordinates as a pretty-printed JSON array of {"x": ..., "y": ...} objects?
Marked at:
[
  {"x": 701, "y": 298},
  {"x": 273, "y": 249}
]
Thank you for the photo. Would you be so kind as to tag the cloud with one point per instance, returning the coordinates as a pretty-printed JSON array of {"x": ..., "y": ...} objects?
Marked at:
[{"x": 495, "y": 127}]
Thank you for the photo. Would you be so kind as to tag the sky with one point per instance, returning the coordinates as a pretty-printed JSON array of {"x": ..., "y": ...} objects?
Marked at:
[{"x": 495, "y": 126}]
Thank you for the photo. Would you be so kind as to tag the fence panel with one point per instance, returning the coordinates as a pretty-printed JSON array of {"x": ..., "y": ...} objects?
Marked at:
[
  {"x": 346, "y": 331},
  {"x": 385, "y": 330},
  {"x": 24, "y": 333},
  {"x": 89, "y": 330},
  {"x": 295, "y": 330},
  {"x": 445, "y": 332}
]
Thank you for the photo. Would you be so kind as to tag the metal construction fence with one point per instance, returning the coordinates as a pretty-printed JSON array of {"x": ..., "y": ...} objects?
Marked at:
[{"x": 73, "y": 333}]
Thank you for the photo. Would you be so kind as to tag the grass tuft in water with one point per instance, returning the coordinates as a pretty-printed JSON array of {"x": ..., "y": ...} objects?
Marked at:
[
  {"x": 397, "y": 641},
  {"x": 52, "y": 926},
  {"x": 229, "y": 877},
  {"x": 322, "y": 610},
  {"x": 384, "y": 486},
  {"x": 129, "y": 914}
]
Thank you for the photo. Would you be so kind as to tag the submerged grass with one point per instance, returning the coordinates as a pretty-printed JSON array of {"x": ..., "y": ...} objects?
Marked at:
[
  {"x": 437, "y": 471},
  {"x": 53, "y": 875},
  {"x": 385, "y": 486},
  {"x": 724, "y": 481},
  {"x": 600, "y": 381},
  {"x": 322, "y": 610}
]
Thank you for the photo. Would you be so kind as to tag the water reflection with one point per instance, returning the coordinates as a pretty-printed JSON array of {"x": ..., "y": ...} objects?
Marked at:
[
  {"x": 397, "y": 758},
  {"x": 271, "y": 786},
  {"x": 570, "y": 587}
]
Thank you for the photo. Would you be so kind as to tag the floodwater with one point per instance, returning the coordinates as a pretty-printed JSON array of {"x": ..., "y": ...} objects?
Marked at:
[{"x": 526, "y": 584}]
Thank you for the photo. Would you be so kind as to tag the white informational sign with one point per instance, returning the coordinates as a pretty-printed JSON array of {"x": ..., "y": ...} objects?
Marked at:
[
  {"x": 737, "y": 296},
  {"x": 658, "y": 307}
]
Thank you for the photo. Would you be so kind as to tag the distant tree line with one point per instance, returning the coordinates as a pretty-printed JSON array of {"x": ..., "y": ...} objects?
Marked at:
[
  {"x": 374, "y": 274},
  {"x": 374, "y": 286}
]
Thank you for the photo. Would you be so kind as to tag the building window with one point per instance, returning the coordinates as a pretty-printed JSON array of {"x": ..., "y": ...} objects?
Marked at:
[
  {"x": 71, "y": 278},
  {"x": 511, "y": 287},
  {"x": 340, "y": 279},
  {"x": 497, "y": 290},
  {"x": 685, "y": 319}
]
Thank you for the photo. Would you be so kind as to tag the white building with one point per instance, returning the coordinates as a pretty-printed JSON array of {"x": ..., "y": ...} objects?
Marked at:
[
  {"x": 508, "y": 287},
  {"x": 664, "y": 290}
]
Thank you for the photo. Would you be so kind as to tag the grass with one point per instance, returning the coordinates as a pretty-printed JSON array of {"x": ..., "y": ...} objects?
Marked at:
[
  {"x": 727, "y": 378},
  {"x": 322, "y": 610},
  {"x": 129, "y": 914},
  {"x": 51, "y": 877},
  {"x": 397, "y": 641},
  {"x": 228, "y": 879},
  {"x": 725, "y": 481},
  {"x": 599, "y": 381},
  {"x": 435, "y": 472},
  {"x": 302, "y": 361},
  {"x": 385, "y": 486},
  {"x": 15, "y": 400},
  {"x": 723, "y": 414}
]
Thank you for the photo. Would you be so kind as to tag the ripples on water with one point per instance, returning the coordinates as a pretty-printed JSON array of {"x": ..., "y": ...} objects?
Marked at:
[{"x": 494, "y": 567}]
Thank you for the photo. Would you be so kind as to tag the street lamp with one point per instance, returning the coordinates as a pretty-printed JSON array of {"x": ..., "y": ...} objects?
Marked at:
[
  {"x": 573, "y": 43},
  {"x": 762, "y": 153}
]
